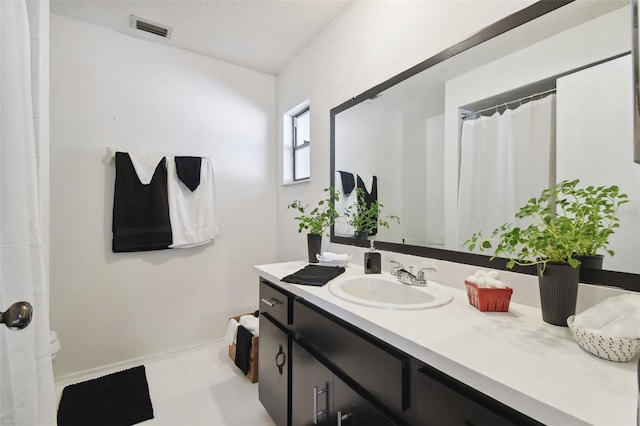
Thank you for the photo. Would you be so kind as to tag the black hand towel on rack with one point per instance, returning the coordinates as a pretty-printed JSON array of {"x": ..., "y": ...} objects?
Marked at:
[
  {"x": 348, "y": 182},
  {"x": 370, "y": 197},
  {"x": 315, "y": 275},
  {"x": 188, "y": 170}
]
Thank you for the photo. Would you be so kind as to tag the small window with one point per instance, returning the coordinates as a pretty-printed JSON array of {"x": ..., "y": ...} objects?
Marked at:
[
  {"x": 296, "y": 144},
  {"x": 301, "y": 145}
]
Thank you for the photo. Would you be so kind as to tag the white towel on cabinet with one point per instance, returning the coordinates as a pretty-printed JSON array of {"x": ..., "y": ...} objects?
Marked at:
[{"x": 192, "y": 213}]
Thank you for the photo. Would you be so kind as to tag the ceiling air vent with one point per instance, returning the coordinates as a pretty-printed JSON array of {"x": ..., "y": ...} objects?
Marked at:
[{"x": 150, "y": 27}]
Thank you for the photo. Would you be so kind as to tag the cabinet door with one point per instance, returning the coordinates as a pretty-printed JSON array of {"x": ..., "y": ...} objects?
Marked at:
[
  {"x": 352, "y": 410},
  {"x": 311, "y": 390},
  {"x": 274, "y": 361},
  {"x": 441, "y": 400}
]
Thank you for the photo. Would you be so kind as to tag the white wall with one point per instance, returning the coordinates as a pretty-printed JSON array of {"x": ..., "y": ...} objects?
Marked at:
[
  {"x": 590, "y": 112},
  {"x": 108, "y": 89},
  {"x": 434, "y": 167},
  {"x": 367, "y": 44}
]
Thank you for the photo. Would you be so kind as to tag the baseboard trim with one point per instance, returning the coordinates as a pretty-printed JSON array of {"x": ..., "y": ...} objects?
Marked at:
[{"x": 92, "y": 373}]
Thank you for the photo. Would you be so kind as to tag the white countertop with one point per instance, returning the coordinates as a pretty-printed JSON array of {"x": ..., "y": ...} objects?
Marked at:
[{"x": 514, "y": 357}]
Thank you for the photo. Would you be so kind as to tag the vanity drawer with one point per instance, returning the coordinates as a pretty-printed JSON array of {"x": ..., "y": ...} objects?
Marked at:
[
  {"x": 372, "y": 364},
  {"x": 276, "y": 303}
]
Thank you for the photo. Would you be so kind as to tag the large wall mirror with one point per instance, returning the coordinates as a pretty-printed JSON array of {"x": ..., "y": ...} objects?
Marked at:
[{"x": 567, "y": 64}]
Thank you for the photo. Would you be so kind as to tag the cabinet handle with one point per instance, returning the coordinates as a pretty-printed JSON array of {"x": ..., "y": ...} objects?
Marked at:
[
  {"x": 342, "y": 417},
  {"x": 316, "y": 394},
  {"x": 271, "y": 302},
  {"x": 283, "y": 358}
]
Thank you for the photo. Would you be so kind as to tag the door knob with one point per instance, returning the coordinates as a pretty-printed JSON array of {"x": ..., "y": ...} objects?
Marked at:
[{"x": 18, "y": 316}]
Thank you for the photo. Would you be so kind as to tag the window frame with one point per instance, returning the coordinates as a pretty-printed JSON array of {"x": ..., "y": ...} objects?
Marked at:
[{"x": 295, "y": 147}]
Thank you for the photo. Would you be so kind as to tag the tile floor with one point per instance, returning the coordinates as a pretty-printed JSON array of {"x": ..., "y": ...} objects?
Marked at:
[{"x": 201, "y": 388}]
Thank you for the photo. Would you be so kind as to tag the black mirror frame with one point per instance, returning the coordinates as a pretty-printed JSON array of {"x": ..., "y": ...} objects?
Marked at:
[
  {"x": 635, "y": 57},
  {"x": 627, "y": 281}
]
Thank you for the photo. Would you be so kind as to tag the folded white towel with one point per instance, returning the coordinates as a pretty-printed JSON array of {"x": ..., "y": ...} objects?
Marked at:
[
  {"x": 232, "y": 332},
  {"x": 327, "y": 256},
  {"x": 608, "y": 310},
  {"x": 626, "y": 326},
  {"x": 251, "y": 323}
]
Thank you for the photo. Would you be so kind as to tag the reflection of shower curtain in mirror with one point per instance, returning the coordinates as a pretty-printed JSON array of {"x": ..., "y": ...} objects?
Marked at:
[{"x": 505, "y": 161}]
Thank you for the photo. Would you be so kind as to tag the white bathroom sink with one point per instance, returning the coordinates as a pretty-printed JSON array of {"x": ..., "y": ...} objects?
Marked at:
[{"x": 380, "y": 291}]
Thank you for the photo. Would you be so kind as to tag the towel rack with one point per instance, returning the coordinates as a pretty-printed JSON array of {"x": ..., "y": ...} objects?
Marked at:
[{"x": 110, "y": 159}]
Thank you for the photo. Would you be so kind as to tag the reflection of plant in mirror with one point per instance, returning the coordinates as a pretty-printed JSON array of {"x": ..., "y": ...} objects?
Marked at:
[
  {"x": 567, "y": 220},
  {"x": 594, "y": 211},
  {"x": 366, "y": 216},
  {"x": 317, "y": 220}
]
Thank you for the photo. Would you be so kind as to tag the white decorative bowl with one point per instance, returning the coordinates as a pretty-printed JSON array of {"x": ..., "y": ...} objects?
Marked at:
[
  {"x": 333, "y": 262},
  {"x": 610, "y": 348}
]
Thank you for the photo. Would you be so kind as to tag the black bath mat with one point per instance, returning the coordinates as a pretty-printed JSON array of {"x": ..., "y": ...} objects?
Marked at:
[{"x": 118, "y": 399}]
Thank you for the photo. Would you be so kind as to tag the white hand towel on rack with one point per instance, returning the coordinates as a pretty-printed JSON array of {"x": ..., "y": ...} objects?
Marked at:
[
  {"x": 145, "y": 165},
  {"x": 341, "y": 227},
  {"x": 192, "y": 213}
]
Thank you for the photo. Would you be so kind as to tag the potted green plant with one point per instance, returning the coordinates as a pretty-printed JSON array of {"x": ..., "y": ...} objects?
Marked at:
[
  {"x": 366, "y": 217},
  {"x": 316, "y": 220},
  {"x": 563, "y": 221}
]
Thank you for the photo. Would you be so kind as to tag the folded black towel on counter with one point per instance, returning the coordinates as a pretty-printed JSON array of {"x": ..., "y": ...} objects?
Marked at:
[{"x": 315, "y": 275}]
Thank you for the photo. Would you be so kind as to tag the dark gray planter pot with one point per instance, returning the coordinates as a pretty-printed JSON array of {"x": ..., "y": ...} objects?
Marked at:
[
  {"x": 363, "y": 235},
  {"x": 314, "y": 246},
  {"x": 590, "y": 262},
  {"x": 558, "y": 292}
]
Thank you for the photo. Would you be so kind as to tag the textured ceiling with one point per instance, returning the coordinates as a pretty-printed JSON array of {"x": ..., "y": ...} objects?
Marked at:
[{"x": 259, "y": 34}]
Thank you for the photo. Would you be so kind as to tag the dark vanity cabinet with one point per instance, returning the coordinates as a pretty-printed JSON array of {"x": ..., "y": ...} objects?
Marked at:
[
  {"x": 274, "y": 355},
  {"x": 316, "y": 368}
]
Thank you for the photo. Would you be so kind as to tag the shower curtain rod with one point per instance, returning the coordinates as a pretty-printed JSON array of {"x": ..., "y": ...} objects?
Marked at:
[{"x": 464, "y": 115}]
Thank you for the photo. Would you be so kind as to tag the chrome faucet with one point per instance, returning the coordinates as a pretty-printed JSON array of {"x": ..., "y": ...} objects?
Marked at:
[
  {"x": 407, "y": 277},
  {"x": 395, "y": 269}
]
